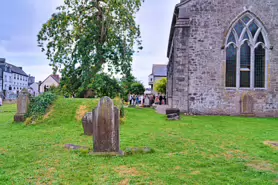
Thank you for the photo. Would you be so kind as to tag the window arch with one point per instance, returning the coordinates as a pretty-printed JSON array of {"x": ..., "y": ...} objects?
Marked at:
[{"x": 246, "y": 54}]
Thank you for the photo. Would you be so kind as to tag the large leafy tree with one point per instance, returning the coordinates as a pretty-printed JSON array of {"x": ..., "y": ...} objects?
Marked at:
[
  {"x": 126, "y": 81},
  {"x": 70, "y": 82},
  {"x": 160, "y": 86},
  {"x": 137, "y": 88},
  {"x": 104, "y": 85},
  {"x": 91, "y": 35}
]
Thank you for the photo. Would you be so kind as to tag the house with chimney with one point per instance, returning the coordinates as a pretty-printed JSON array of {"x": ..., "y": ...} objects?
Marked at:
[{"x": 50, "y": 81}]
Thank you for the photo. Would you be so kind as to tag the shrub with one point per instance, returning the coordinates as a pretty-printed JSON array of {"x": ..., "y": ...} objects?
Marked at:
[
  {"x": 39, "y": 105},
  {"x": 118, "y": 102},
  {"x": 28, "y": 121}
]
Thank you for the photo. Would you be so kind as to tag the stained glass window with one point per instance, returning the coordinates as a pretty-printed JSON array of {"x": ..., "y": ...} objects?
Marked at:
[
  {"x": 231, "y": 66},
  {"x": 260, "y": 38},
  {"x": 239, "y": 27},
  {"x": 231, "y": 38},
  {"x": 245, "y": 36},
  {"x": 259, "y": 67},
  {"x": 251, "y": 68},
  {"x": 253, "y": 28},
  {"x": 245, "y": 56},
  {"x": 245, "y": 79},
  {"x": 246, "y": 19}
]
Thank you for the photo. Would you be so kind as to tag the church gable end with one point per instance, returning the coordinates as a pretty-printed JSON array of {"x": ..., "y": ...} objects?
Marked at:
[{"x": 209, "y": 76}]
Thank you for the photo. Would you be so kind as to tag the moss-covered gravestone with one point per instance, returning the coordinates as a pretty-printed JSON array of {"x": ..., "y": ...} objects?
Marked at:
[
  {"x": 23, "y": 102},
  {"x": 106, "y": 125},
  {"x": 87, "y": 124}
]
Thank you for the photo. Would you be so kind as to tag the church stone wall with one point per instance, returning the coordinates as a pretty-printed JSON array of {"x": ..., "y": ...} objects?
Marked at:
[{"x": 204, "y": 58}]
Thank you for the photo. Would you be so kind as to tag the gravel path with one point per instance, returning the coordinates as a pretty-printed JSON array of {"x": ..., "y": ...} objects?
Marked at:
[{"x": 161, "y": 109}]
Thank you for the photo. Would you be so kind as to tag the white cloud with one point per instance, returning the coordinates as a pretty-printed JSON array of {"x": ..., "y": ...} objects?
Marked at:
[{"x": 20, "y": 48}]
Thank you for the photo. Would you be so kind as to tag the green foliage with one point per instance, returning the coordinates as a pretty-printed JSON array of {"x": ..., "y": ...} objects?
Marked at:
[
  {"x": 141, "y": 150},
  {"x": 70, "y": 82},
  {"x": 103, "y": 85},
  {"x": 118, "y": 102},
  {"x": 91, "y": 35},
  {"x": 195, "y": 150},
  {"x": 40, "y": 104},
  {"x": 126, "y": 82},
  {"x": 137, "y": 88},
  {"x": 28, "y": 121},
  {"x": 161, "y": 85}
]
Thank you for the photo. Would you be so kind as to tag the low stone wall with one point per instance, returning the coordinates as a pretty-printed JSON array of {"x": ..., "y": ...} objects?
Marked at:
[{"x": 9, "y": 101}]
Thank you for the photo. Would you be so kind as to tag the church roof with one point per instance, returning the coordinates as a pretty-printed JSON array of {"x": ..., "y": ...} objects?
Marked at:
[{"x": 174, "y": 20}]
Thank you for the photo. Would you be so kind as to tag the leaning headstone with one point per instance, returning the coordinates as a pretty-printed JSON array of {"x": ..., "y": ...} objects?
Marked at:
[
  {"x": 173, "y": 114},
  {"x": 22, "y": 106},
  {"x": 147, "y": 102},
  {"x": 247, "y": 105},
  {"x": 87, "y": 123},
  {"x": 106, "y": 124}
]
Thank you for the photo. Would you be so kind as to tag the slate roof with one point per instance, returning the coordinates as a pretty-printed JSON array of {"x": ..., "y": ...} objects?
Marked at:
[
  {"x": 159, "y": 70},
  {"x": 174, "y": 19},
  {"x": 56, "y": 78},
  {"x": 15, "y": 69}
]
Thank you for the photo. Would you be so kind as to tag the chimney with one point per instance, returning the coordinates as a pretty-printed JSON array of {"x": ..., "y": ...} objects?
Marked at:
[{"x": 2, "y": 60}]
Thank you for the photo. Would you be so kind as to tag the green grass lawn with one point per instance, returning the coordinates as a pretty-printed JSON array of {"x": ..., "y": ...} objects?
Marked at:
[{"x": 195, "y": 150}]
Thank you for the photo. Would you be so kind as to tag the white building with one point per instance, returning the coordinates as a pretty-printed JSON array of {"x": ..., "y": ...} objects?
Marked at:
[
  {"x": 50, "y": 81},
  {"x": 159, "y": 71},
  {"x": 12, "y": 78},
  {"x": 34, "y": 89}
]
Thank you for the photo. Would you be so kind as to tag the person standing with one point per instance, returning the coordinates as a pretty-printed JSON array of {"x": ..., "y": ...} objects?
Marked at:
[
  {"x": 164, "y": 98},
  {"x": 130, "y": 99},
  {"x": 160, "y": 99},
  {"x": 1, "y": 101},
  {"x": 133, "y": 99}
]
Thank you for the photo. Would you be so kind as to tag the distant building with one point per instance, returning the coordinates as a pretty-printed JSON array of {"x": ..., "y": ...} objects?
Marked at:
[
  {"x": 12, "y": 78},
  {"x": 51, "y": 80},
  {"x": 148, "y": 91},
  {"x": 34, "y": 89},
  {"x": 159, "y": 71},
  {"x": 31, "y": 80}
]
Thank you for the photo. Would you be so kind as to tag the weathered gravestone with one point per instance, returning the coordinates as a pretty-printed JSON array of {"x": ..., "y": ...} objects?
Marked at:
[
  {"x": 247, "y": 105},
  {"x": 147, "y": 102},
  {"x": 106, "y": 125},
  {"x": 87, "y": 123},
  {"x": 22, "y": 106},
  {"x": 173, "y": 114}
]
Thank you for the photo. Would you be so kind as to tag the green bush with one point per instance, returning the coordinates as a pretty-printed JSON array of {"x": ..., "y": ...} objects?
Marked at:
[
  {"x": 118, "y": 102},
  {"x": 39, "y": 105}
]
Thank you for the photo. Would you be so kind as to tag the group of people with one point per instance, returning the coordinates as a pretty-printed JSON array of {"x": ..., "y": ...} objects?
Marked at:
[
  {"x": 135, "y": 99},
  {"x": 140, "y": 99}
]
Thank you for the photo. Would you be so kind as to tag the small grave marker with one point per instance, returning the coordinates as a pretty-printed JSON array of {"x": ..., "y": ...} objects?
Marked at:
[
  {"x": 87, "y": 123},
  {"x": 247, "y": 105},
  {"x": 22, "y": 106}
]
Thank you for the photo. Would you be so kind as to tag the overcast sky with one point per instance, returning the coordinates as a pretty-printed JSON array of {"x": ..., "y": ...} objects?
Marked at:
[{"x": 21, "y": 20}]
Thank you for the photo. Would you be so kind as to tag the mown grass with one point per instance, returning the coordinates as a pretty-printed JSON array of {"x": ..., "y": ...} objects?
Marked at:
[{"x": 195, "y": 150}]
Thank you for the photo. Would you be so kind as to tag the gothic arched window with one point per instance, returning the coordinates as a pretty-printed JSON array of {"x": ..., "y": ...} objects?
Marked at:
[{"x": 246, "y": 54}]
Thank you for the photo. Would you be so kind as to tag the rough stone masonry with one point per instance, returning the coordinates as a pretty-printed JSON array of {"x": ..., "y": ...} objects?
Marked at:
[{"x": 197, "y": 58}]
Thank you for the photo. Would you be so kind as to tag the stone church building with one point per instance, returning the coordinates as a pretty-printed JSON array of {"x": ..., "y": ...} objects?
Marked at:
[{"x": 223, "y": 57}]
